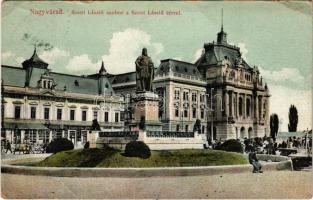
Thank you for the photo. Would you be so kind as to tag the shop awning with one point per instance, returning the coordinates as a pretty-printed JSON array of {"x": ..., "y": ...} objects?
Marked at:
[{"x": 24, "y": 126}]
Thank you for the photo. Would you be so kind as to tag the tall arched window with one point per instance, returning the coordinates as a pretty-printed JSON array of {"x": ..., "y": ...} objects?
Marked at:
[
  {"x": 240, "y": 106},
  {"x": 248, "y": 107},
  {"x": 264, "y": 109}
]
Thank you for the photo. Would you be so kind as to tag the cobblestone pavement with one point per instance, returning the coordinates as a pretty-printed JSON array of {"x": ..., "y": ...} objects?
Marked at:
[{"x": 271, "y": 184}]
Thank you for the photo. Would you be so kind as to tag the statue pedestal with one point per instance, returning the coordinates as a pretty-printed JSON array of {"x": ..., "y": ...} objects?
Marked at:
[
  {"x": 92, "y": 137},
  {"x": 146, "y": 108}
]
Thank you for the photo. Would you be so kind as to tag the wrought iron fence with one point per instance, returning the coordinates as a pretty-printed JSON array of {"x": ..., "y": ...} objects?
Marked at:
[
  {"x": 170, "y": 134},
  {"x": 123, "y": 134}
]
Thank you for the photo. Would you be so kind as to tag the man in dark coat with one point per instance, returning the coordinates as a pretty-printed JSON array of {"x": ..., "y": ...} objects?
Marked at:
[
  {"x": 253, "y": 160},
  {"x": 8, "y": 147}
]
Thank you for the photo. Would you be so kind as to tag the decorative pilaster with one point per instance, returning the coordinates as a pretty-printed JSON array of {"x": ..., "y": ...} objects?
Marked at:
[
  {"x": 244, "y": 105},
  {"x": 260, "y": 107},
  {"x": 251, "y": 107},
  {"x": 256, "y": 106},
  {"x": 226, "y": 99},
  {"x": 232, "y": 105},
  {"x": 237, "y": 106},
  {"x": 267, "y": 110}
]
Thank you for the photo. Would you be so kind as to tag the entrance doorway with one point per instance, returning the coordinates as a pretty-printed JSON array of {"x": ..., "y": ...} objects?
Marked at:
[
  {"x": 242, "y": 132},
  {"x": 214, "y": 133},
  {"x": 17, "y": 136},
  {"x": 73, "y": 136},
  {"x": 237, "y": 136},
  {"x": 250, "y": 132},
  {"x": 84, "y": 137}
]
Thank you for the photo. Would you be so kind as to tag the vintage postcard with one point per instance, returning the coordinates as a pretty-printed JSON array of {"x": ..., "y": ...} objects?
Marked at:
[{"x": 156, "y": 100}]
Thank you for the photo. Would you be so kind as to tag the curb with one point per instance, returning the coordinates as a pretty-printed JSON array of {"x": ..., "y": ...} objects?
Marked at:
[{"x": 140, "y": 172}]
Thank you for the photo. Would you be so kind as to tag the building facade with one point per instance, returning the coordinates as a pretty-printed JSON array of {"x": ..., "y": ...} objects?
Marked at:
[
  {"x": 39, "y": 105},
  {"x": 239, "y": 100},
  {"x": 220, "y": 88}
]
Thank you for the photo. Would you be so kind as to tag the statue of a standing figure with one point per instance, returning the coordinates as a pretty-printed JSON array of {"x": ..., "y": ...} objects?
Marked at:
[{"x": 144, "y": 72}]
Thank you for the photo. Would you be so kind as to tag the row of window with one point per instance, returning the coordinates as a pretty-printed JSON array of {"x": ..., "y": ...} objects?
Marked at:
[
  {"x": 248, "y": 77},
  {"x": 46, "y": 83},
  {"x": 35, "y": 136},
  {"x": 248, "y": 107},
  {"x": 194, "y": 113},
  {"x": 17, "y": 114},
  {"x": 194, "y": 96}
]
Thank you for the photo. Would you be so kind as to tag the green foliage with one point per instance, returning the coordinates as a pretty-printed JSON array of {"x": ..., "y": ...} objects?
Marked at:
[
  {"x": 231, "y": 145},
  {"x": 137, "y": 149},
  {"x": 78, "y": 158},
  {"x": 59, "y": 144},
  {"x": 165, "y": 158},
  {"x": 293, "y": 119},
  {"x": 274, "y": 125}
]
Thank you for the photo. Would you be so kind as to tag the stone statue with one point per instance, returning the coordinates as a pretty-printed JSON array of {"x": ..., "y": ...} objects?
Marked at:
[
  {"x": 144, "y": 72},
  {"x": 197, "y": 126},
  {"x": 95, "y": 125}
]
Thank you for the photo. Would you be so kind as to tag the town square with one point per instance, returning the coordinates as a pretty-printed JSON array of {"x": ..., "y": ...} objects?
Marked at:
[{"x": 188, "y": 100}]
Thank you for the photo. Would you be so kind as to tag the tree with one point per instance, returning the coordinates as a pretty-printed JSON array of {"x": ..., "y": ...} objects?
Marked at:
[
  {"x": 274, "y": 125},
  {"x": 293, "y": 119},
  {"x": 59, "y": 144}
]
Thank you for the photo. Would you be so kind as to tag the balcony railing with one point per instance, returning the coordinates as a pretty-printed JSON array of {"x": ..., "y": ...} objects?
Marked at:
[
  {"x": 180, "y": 75},
  {"x": 241, "y": 82}
]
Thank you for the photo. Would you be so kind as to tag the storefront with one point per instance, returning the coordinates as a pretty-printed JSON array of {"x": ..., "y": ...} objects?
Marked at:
[{"x": 18, "y": 133}]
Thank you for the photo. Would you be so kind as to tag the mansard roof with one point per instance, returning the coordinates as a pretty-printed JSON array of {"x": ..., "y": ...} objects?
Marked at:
[
  {"x": 77, "y": 84},
  {"x": 215, "y": 53},
  {"x": 176, "y": 66},
  {"x": 15, "y": 76},
  {"x": 123, "y": 78}
]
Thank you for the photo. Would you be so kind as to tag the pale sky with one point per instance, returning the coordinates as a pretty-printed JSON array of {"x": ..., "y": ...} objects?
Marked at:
[{"x": 276, "y": 37}]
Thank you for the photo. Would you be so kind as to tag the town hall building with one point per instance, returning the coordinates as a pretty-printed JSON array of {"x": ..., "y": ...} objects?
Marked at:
[{"x": 220, "y": 88}]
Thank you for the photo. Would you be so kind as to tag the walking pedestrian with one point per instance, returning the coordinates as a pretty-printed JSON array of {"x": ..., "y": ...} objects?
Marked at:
[{"x": 8, "y": 147}]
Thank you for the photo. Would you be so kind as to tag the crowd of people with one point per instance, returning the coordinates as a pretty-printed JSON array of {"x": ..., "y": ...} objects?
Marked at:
[
  {"x": 268, "y": 145},
  {"x": 25, "y": 147}
]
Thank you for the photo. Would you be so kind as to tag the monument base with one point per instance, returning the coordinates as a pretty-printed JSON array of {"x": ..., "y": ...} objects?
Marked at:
[{"x": 146, "y": 112}]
